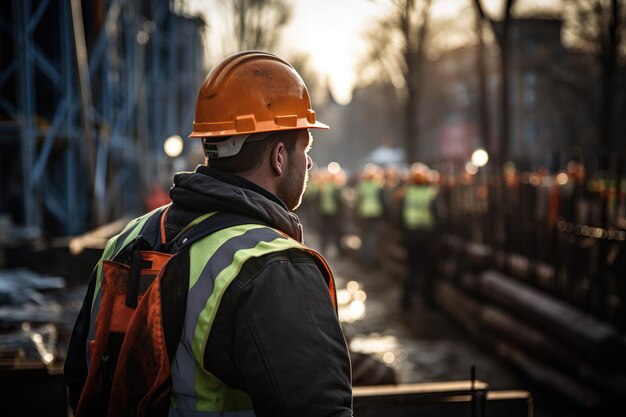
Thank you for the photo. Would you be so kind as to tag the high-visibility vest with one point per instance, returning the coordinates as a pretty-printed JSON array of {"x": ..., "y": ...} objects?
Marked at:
[
  {"x": 369, "y": 203},
  {"x": 417, "y": 212},
  {"x": 328, "y": 199},
  {"x": 214, "y": 262}
]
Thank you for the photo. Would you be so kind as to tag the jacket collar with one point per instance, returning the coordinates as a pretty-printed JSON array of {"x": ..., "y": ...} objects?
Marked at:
[{"x": 208, "y": 189}]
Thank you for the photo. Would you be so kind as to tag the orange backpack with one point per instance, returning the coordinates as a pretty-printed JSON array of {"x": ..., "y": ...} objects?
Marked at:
[{"x": 140, "y": 319}]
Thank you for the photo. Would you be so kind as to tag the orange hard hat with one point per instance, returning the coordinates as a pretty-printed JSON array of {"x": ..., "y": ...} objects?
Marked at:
[
  {"x": 252, "y": 92},
  {"x": 419, "y": 173}
]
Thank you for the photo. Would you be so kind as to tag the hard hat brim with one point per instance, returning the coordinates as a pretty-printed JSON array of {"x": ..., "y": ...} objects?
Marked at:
[{"x": 208, "y": 130}]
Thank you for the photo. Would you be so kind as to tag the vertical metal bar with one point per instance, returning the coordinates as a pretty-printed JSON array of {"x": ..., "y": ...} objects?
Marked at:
[
  {"x": 173, "y": 60},
  {"x": 75, "y": 222},
  {"x": 139, "y": 150},
  {"x": 102, "y": 147},
  {"x": 143, "y": 148},
  {"x": 82, "y": 67},
  {"x": 26, "y": 108},
  {"x": 158, "y": 76},
  {"x": 110, "y": 91},
  {"x": 190, "y": 81},
  {"x": 126, "y": 65},
  {"x": 109, "y": 85},
  {"x": 131, "y": 65},
  {"x": 100, "y": 60},
  {"x": 473, "y": 390},
  {"x": 155, "y": 90}
]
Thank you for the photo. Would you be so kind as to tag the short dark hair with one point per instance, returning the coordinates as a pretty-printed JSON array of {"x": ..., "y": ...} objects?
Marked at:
[{"x": 252, "y": 154}]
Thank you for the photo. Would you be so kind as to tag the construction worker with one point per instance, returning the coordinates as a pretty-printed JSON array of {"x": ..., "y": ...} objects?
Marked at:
[
  {"x": 370, "y": 211},
  {"x": 330, "y": 206},
  {"x": 260, "y": 335},
  {"x": 308, "y": 209},
  {"x": 418, "y": 225}
]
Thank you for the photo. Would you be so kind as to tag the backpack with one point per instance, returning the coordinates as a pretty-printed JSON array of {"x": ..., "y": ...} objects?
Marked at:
[{"x": 140, "y": 320}]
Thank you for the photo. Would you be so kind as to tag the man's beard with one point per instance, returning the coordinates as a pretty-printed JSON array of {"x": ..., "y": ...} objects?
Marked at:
[{"x": 291, "y": 189}]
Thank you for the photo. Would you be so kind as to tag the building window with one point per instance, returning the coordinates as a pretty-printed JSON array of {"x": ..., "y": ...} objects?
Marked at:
[
  {"x": 530, "y": 82},
  {"x": 530, "y": 131}
]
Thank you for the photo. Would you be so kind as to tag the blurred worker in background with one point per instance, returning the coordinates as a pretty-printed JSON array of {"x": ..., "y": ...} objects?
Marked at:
[
  {"x": 308, "y": 209},
  {"x": 418, "y": 199},
  {"x": 392, "y": 182},
  {"x": 370, "y": 211},
  {"x": 157, "y": 197},
  {"x": 330, "y": 203},
  {"x": 261, "y": 334},
  {"x": 541, "y": 227}
]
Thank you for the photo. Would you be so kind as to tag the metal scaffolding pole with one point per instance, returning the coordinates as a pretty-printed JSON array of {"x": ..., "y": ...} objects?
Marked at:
[
  {"x": 26, "y": 105},
  {"x": 86, "y": 103},
  {"x": 103, "y": 106}
]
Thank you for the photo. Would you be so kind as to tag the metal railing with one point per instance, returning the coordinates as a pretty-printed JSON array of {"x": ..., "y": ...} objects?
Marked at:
[{"x": 563, "y": 232}]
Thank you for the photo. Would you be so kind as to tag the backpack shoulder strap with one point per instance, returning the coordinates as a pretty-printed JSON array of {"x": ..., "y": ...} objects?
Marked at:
[
  {"x": 145, "y": 234},
  {"x": 207, "y": 224},
  {"x": 148, "y": 237}
]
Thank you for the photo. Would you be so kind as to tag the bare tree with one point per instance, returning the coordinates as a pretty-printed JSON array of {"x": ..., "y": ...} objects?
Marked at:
[
  {"x": 397, "y": 46},
  {"x": 414, "y": 59},
  {"x": 599, "y": 26},
  {"x": 501, "y": 32},
  {"x": 481, "y": 71},
  {"x": 301, "y": 61},
  {"x": 383, "y": 61},
  {"x": 257, "y": 24}
]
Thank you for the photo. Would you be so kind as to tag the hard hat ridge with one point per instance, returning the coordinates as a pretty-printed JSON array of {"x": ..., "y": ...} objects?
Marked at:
[{"x": 217, "y": 74}]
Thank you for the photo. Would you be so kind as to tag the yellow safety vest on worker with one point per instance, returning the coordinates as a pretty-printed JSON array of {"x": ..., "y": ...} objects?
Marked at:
[
  {"x": 417, "y": 211},
  {"x": 369, "y": 199},
  {"x": 215, "y": 261},
  {"x": 328, "y": 203},
  {"x": 195, "y": 390}
]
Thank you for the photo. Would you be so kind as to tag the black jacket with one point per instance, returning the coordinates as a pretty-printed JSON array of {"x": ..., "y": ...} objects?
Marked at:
[{"x": 275, "y": 335}]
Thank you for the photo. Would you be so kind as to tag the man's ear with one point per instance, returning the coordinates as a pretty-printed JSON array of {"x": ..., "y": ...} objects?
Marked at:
[{"x": 278, "y": 158}]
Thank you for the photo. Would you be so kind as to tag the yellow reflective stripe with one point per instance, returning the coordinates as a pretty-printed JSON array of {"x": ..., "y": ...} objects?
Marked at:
[
  {"x": 223, "y": 280},
  {"x": 141, "y": 220},
  {"x": 108, "y": 251},
  {"x": 134, "y": 233},
  {"x": 206, "y": 383},
  {"x": 212, "y": 395},
  {"x": 202, "y": 250}
]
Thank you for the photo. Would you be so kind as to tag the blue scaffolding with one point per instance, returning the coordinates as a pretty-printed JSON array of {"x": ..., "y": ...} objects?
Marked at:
[{"x": 89, "y": 92}]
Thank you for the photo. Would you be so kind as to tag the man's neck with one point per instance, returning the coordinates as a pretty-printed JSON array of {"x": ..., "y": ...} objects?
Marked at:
[{"x": 242, "y": 180}]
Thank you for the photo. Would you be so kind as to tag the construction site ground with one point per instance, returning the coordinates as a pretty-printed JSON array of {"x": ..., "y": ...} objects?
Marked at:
[{"x": 422, "y": 344}]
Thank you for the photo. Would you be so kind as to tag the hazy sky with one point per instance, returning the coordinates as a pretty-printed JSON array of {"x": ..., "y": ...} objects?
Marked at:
[{"x": 330, "y": 31}]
